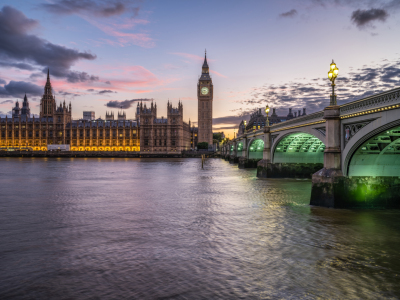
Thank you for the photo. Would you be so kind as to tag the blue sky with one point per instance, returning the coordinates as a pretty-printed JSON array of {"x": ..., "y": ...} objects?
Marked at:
[{"x": 277, "y": 52}]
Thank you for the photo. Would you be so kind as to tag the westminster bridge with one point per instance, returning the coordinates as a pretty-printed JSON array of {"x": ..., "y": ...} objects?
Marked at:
[{"x": 351, "y": 152}]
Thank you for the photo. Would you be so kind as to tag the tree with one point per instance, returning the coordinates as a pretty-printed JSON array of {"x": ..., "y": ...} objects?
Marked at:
[
  {"x": 217, "y": 136},
  {"x": 202, "y": 145}
]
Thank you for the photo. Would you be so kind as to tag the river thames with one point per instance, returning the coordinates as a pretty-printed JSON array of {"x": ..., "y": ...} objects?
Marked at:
[{"x": 166, "y": 229}]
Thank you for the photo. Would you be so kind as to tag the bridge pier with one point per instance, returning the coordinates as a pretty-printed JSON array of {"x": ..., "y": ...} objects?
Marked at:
[
  {"x": 243, "y": 160},
  {"x": 327, "y": 183},
  {"x": 233, "y": 157},
  {"x": 263, "y": 165}
]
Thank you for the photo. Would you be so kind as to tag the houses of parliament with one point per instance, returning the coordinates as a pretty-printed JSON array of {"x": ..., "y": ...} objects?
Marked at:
[{"x": 147, "y": 133}]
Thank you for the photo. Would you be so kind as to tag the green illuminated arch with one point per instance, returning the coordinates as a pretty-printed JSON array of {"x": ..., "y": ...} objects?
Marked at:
[
  {"x": 239, "y": 149},
  {"x": 378, "y": 156},
  {"x": 256, "y": 149},
  {"x": 299, "y": 148}
]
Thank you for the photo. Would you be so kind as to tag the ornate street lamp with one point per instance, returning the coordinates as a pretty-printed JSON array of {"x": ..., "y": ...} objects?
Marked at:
[
  {"x": 332, "y": 74},
  {"x": 245, "y": 124},
  {"x": 267, "y": 111}
]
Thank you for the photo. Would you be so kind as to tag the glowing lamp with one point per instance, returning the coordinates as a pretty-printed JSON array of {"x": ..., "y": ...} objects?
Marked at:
[
  {"x": 267, "y": 109},
  {"x": 330, "y": 74}
]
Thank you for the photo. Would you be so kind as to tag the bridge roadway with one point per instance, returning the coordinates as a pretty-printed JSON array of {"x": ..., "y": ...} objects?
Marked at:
[{"x": 351, "y": 152}]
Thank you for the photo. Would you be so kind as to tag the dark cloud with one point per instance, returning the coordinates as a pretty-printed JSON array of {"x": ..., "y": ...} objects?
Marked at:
[
  {"x": 2, "y": 81},
  {"x": 106, "y": 92},
  {"x": 99, "y": 8},
  {"x": 74, "y": 76},
  {"x": 314, "y": 94},
  {"x": 101, "y": 92},
  {"x": 235, "y": 119},
  {"x": 68, "y": 94},
  {"x": 21, "y": 49},
  {"x": 21, "y": 66},
  {"x": 6, "y": 101},
  {"x": 124, "y": 104},
  {"x": 19, "y": 88},
  {"x": 107, "y": 82},
  {"x": 291, "y": 13},
  {"x": 363, "y": 18}
]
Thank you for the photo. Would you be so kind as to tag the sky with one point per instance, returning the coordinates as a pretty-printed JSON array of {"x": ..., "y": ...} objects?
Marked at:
[{"x": 106, "y": 54}]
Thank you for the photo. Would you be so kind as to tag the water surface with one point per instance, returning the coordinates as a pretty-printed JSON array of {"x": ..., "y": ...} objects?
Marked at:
[{"x": 166, "y": 229}]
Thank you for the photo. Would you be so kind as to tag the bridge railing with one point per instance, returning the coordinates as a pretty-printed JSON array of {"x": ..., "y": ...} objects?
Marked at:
[{"x": 375, "y": 101}]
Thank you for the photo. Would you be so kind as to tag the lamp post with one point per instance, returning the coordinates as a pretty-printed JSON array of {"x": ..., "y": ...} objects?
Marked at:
[
  {"x": 332, "y": 74},
  {"x": 245, "y": 124},
  {"x": 267, "y": 111}
]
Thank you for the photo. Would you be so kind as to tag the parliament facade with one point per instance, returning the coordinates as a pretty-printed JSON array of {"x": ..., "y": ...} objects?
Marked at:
[{"x": 55, "y": 126}]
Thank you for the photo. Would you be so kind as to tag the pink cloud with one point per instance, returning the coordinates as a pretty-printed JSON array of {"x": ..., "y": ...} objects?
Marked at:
[
  {"x": 218, "y": 74},
  {"x": 124, "y": 38}
]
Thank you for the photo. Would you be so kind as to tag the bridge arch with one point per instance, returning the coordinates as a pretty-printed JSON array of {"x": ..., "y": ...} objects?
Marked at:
[
  {"x": 376, "y": 153},
  {"x": 231, "y": 149},
  {"x": 255, "y": 149},
  {"x": 239, "y": 149},
  {"x": 298, "y": 147}
]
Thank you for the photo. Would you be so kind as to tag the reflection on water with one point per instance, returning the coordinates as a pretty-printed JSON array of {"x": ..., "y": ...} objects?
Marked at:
[{"x": 164, "y": 228}]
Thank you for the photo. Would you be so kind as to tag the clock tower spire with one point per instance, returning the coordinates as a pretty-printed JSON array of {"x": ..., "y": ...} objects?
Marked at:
[{"x": 205, "y": 99}]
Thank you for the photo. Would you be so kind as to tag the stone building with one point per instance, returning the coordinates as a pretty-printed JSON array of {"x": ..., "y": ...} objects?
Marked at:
[
  {"x": 205, "y": 102},
  {"x": 258, "y": 119},
  {"x": 55, "y": 126},
  {"x": 166, "y": 135}
]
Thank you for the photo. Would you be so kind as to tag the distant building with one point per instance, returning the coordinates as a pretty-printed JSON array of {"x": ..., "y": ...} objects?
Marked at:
[
  {"x": 205, "y": 101},
  {"x": 110, "y": 116},
  {"x": 194, "y": 137},
  {"x": 121, "y": 116},
  {"x": 258, "y": 119},
  {"x": 89, "y": 115},
  {"x": 166, "y": 135}
]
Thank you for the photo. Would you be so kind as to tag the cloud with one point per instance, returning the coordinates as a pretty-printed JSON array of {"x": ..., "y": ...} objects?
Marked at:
[
  {"x": 6, "y": 101},
  {"x": 235, "y": 119},
  {"x": 124, "y": 38},
  {"x": 22, "y": 66},
  {"x": 21, "y": 49},
  {"x": 314, "y": 93},
  {"x": 124, "y": 104},
  {"x": 74, "y": 77},
  {"x": 105, "y": 92},
  {"x": 19, "y": 88},
  {"x": 218, "y": 74},
  {"x": 101, "y": 92},
  {"x": 2, "y": 81},
  {"x": 73, "y": 95},
  {"x": 97, "y": 8},
  {"x": 363, "y": 18},
  {"x": 289, "y": 14},
  {"x": 107, "y": 82}
]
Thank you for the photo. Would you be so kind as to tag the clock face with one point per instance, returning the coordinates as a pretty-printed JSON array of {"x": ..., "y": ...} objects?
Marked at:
[{"x": 204, "y": 90}]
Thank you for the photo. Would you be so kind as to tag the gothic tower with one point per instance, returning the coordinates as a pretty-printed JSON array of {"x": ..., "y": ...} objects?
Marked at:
[
  {"x": 205, "y": 100},
  {"x": 48, "y": 102},
  {"x": 25, "y": 110}
]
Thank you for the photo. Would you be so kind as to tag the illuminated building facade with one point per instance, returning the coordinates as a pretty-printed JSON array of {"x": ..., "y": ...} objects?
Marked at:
[{"x": 163, "y": 135}]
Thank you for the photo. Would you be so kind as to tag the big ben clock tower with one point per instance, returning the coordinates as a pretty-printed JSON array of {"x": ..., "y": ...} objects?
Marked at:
[{"x": 205, "y": 99}]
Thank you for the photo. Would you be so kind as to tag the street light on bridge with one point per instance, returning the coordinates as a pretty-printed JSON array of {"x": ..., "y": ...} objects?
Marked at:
[
  {"x": 245, "y": 124},
  {"x": 332, "y": 74},
  {"x": 267, "y": 111}
]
